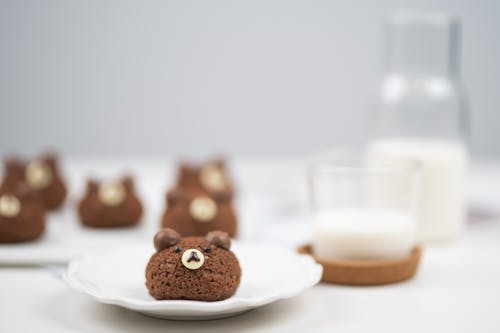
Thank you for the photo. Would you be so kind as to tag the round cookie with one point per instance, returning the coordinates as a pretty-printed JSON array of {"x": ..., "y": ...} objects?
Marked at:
[
  {"x": 22, "y": 215},
  {"x": 192, "y": 268},
  {"x": 193, "y": 212},
  {"x": 42, "y": 175},
  {"x": 110, "y": 204}
]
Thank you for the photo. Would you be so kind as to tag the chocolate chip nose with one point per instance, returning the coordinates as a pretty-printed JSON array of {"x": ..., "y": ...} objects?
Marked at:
[{"x": 193, "y": 257}]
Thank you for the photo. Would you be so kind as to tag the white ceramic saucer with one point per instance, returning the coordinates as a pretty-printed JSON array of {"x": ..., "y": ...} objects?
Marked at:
[{"x": 269, "y": 273}]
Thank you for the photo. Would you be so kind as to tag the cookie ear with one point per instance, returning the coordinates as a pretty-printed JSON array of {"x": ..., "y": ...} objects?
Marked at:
[
  {"x": 219, "y": 162},
  {"x": 183, "y": 166},
  {"x": 92, "y": 185},
  {"x": 186, "y": 168},
  {"x": 166, "y": 238},
  {"x": 51, "y": 159},
  {"x": 128, "y": 183},
  {"x": 13, "y": 163},
  {"x": 220, "y": 239}
]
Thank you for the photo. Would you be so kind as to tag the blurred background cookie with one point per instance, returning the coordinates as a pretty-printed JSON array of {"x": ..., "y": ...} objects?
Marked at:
[
  {"x": 194, "y": 212},
  {"x": 22, "y": 214},
  {"x": 41, "y": 175},
  {"x": 110, "y": 204}
]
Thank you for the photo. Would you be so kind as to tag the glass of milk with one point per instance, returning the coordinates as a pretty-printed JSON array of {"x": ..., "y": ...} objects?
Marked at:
[
  {"x": 363, "y": 209},
  {"x": 421, "y": 113}
]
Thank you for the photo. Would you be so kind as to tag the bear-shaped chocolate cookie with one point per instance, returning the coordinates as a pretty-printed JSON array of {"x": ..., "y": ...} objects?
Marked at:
[
  {"x": 194, "y": 212},
  {"x": 211, "y": 176},
  {"x": 22, "y": 215},
  {"x": 41, "y": 174},
  {"x": 110, "y": 204},
  {"x": 192, "y": 268}
]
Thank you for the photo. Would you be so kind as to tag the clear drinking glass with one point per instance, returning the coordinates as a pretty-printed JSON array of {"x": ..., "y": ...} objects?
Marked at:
[
  {"x": 363, "y": 208},
  {"x": 421, "y": 113}
]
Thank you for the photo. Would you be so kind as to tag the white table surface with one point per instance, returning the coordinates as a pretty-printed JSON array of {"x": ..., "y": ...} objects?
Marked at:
[{"x": 457, "y": 288}]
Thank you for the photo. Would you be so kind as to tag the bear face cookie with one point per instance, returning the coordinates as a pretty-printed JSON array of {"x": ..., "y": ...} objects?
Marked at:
[
  {"x": 110, "y": 204},
  {"x": 41, "y": 175},
  {"x": 22, "y": 215},
  {"x": 193, "y": 212},
  {"x": 209, "y": 177},
  {"x": 192, "y": 268}
]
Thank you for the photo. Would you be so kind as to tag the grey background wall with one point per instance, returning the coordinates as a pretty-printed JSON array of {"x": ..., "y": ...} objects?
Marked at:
[{"x": 193, "y": 76}]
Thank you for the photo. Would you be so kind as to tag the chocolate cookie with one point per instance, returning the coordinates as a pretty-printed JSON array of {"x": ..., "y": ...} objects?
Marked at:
[
  {"x": 110, "y": 204},
  {"x": 41, "y": 174},
  {"x": 211, "y": 176},
  {"x": 192, "y": 268},
  {"x": 194, "y": 212},
  {"x": 22, "y": 215}
]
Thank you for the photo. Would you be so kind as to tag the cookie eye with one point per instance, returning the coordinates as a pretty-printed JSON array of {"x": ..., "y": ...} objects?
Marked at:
[
  {"x": 207, "y": 250},
  {"x": 177, "y": 249}
]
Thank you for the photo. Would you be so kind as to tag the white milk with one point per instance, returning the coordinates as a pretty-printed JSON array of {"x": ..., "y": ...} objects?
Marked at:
[
  {"x": 441, "y": 213},
  {"x": 363, "y": 233}
]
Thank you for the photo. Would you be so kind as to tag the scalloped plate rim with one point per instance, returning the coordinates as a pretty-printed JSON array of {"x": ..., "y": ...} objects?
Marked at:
[{"x": 184, "y": 309}]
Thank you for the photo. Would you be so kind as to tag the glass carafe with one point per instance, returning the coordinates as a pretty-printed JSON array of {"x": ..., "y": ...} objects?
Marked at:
[{"x": 421, "y": 114}]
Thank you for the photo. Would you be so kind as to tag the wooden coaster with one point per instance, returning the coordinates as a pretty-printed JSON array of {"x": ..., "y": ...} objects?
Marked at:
[{"x": 367, "y": 272}]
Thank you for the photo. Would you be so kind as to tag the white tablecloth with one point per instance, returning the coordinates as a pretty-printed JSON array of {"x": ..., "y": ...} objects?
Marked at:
[{"x": 457, "y": 288}]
